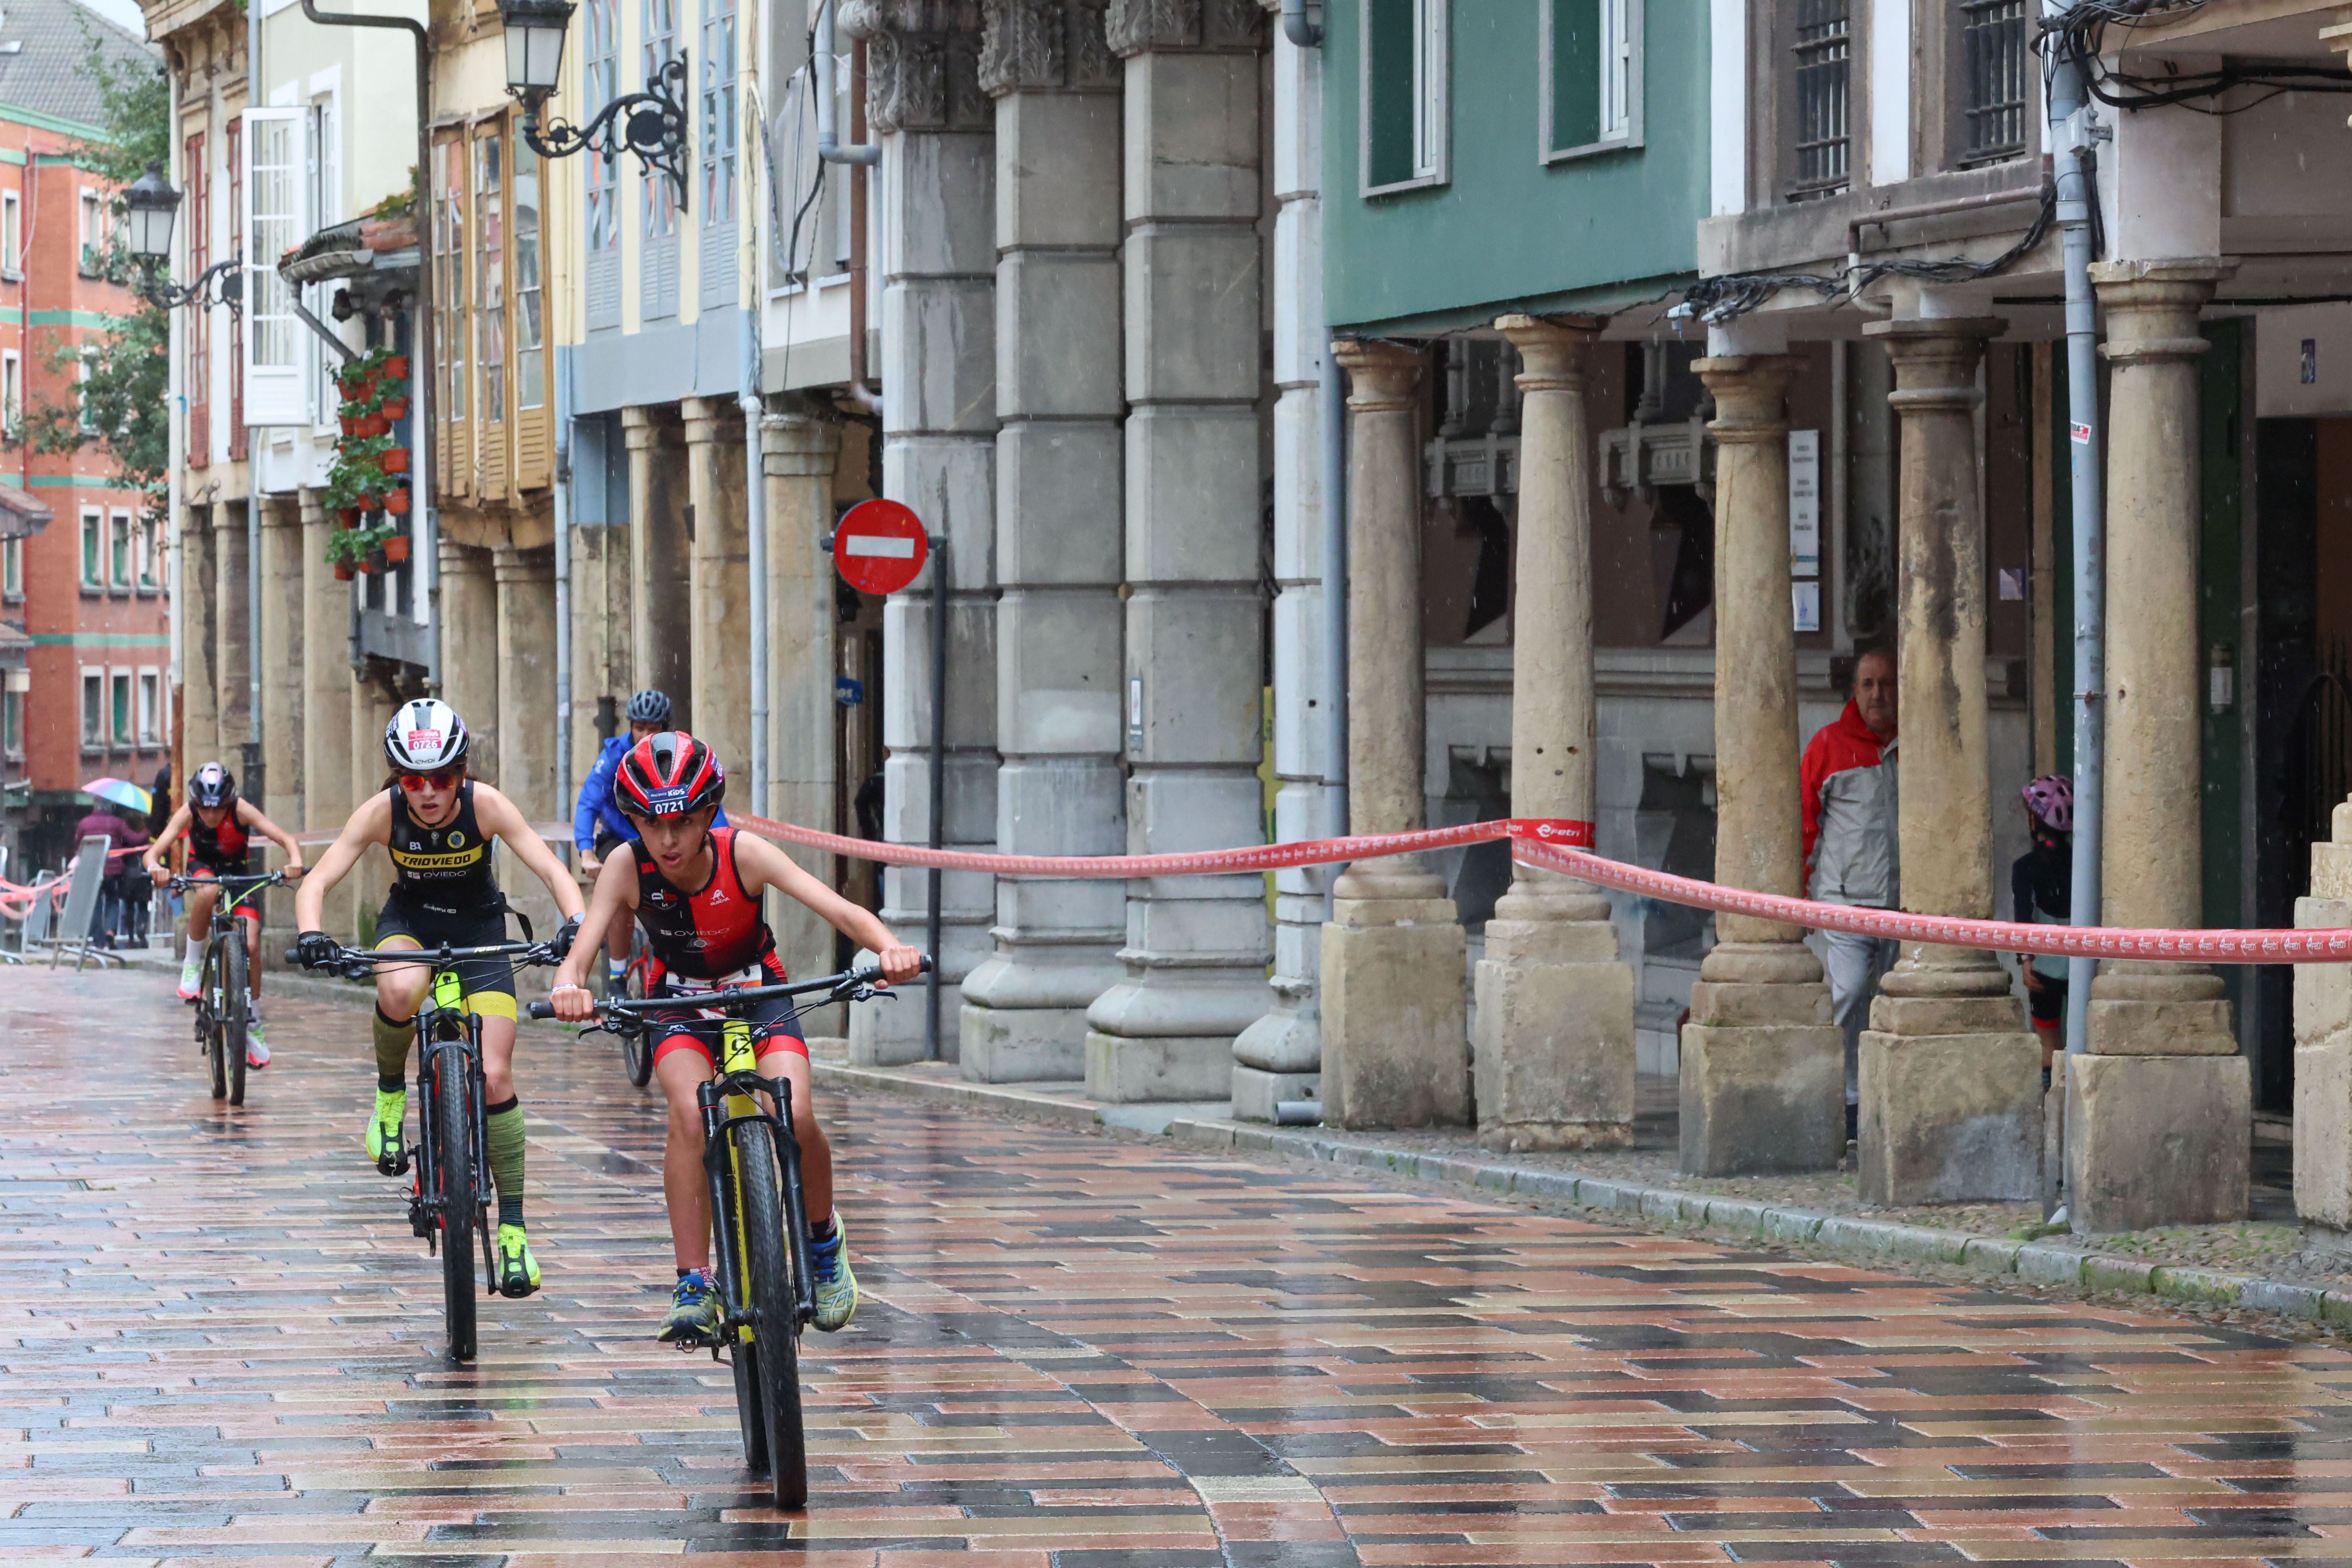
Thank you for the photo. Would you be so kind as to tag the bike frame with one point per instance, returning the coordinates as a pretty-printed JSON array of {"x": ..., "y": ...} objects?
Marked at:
[
  {"x": 448, "y": 1049},
  {"x": 724, "y": 1101}
]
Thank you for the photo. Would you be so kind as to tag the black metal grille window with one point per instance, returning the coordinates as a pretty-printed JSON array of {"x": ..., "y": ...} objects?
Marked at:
[
  {"x": 1823, "y": 79},
  {"x": 1992, "y": 34}
]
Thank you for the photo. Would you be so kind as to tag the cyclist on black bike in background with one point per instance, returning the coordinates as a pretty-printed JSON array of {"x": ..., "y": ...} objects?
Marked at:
[
  {"x": 696, "y": 888},
  {"x": 219, "y": 826},
  {"x": 597, "y": 824},
  {"x": 437, "y": 824}
]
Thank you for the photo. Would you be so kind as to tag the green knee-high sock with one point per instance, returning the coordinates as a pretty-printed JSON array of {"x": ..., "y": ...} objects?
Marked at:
[
  {"x": 503, "y": 1125},
  {"x": 391, "y": 1042}
]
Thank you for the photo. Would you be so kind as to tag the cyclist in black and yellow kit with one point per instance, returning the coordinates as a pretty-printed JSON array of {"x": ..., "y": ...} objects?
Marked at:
[{"x": 437, "y": 824}]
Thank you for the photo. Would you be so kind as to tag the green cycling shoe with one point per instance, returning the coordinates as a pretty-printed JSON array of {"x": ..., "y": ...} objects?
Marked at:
[
  {"x": 517, "y": 1270},
  {"x": 387, "y": 1141},
  {"x": 836, "y": 1283}
]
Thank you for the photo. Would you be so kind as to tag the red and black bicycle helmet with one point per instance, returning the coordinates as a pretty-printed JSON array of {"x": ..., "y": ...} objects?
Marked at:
[{"x": 669, "y": 774}]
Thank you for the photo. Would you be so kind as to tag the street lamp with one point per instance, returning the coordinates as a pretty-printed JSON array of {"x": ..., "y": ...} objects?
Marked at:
[
  {"x": 651, "y": 123},
  {"x": 150, "y": 205}
]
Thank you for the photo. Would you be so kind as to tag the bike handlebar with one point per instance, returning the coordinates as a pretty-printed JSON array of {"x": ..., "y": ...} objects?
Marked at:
[
  {"x": 181, "y": 882},
  {"x": 352, "y": 960},
  {"x": 843, "y": 984}
]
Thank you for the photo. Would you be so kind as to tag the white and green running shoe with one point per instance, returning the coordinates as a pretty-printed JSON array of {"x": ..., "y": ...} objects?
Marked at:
[
  {"x": 191, "y": 973},
  {"x": 837, "y": 1284}
]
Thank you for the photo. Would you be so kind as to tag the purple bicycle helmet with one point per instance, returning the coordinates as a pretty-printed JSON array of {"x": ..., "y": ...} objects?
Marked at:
[{"x": 2051, "y": 800}]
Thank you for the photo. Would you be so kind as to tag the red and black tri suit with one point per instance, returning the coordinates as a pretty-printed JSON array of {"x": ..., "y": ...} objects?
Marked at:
[
  {"x": 706, "y": 940},
  {"x": 219, "y": 850}
]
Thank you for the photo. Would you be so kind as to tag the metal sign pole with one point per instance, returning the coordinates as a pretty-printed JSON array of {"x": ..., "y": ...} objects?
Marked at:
[{"x": 939, "y": 544}]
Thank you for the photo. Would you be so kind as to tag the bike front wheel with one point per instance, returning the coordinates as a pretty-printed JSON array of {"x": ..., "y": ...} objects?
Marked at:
[
  {"x": 773, "y": 1307},
  {"x": 637, "y": 1046},
  {"x": 237, "y": 1003},
  {"x": 208, "y": 1022},
  {"x": 452, "y": 1123}
]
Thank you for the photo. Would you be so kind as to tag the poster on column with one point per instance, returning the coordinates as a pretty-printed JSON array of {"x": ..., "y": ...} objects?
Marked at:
[{"x": 1804, "y": 503}]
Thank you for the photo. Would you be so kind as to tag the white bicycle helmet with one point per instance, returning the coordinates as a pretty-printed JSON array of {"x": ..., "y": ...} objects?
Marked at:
[{"x": 425, "y": 735}]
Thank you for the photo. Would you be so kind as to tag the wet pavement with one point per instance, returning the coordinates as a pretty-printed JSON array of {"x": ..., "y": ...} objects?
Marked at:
[{"x": 218, "y": 1342}]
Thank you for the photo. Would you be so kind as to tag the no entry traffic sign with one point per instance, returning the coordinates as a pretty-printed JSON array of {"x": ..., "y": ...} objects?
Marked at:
[{"x": 879, "y": 547}]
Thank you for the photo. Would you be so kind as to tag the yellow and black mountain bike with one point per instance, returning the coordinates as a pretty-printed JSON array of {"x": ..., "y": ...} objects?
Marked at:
[
  {"x": 449, "y": 1200},
  {"x": 759, "y": 1223}
]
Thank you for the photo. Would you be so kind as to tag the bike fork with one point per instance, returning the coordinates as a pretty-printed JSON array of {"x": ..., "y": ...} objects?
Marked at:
[
  {"x": 795, "y": 1206},
  {"x": 718, "y": 1169}
]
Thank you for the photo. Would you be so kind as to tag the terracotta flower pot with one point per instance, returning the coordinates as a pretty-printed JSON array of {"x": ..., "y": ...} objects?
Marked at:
[
  {"x": 396, "y": 502},
  {"x": 352, "y": 423},
  {"x": 353, "y": 387},
  {"x": 395, "y": 368},
  {"x": 347, "y": 517},
  {"x": 343, "y": 573},
  {"x": 394, "y": 460},
  {"x": 395, "y": 408},
  {"x": 372, "y": 425},
  {"x": 395, "y": 549},
  {"x": 374, "y": 561}
]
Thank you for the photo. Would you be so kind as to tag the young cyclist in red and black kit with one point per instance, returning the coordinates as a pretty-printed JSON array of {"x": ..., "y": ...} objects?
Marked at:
[
  {"x": 220, "y": 828},
  {"x": 696, "y": 890}
]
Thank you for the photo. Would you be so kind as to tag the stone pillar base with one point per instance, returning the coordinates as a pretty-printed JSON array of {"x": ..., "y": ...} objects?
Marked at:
[
  {"x": 2157, "y": 1140},
  {"x": 1553, "y": 1055},
  {"x": 1022, "y": 1045},
  {"x": 892, "y": 1035},
  {"x": 1126, "y": 1069},
  {"x": 2158, "y": 1011},
  {"x": 1258, "y": 1092},
  {"x": 1396, "y": 1050},
  {"x": 1763, "y": 1067},
  {"x": 1949, "y": 1118}
]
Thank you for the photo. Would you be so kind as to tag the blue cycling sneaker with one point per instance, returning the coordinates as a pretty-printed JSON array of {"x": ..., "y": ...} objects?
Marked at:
[
  {"x": 693, "y": 1317},
  {"x": 517, "y": 1270},
  {"x": 837, "y": 1284}
]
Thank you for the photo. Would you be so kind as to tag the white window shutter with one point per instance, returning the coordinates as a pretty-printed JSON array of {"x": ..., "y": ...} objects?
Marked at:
[{"x": 275, "y": 182}]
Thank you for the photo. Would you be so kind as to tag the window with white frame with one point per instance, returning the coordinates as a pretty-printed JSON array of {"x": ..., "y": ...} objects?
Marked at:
[
  {"x": 490, "y": 291},
  {"x": 118, "y": 708},
  {"x": 12, "y": 569},
  {"x": 529, "y": 330},
  {"x": 1592, "y": 65},
  {"x": 93, "y": 231},
  {"x": 81, "y": 395},
  {"x": 151, "y": 708},
  {"x": 15, "y": 686},
  {"x": 11, "y": 234},
  {"x": 275, "y": 192},
  {"x": 719, "y": 128},
  {"x": 1404, "y": 99},
  {"x": 93, "y": 708},
  {"x": 11, "y": 389},
  {"x": 93, "y": 549},
  {"x": 150, "y": 554},
  {"x": 118, "y": 551}
]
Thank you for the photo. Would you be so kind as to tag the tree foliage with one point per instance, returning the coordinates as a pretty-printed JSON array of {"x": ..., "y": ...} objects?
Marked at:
[{"x": 116, "y": 380}]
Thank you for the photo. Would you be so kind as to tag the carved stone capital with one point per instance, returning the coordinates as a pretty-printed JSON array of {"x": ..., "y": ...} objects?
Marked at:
[
  {"x": 1138, "y": 27},
  {"x": 922, "y": 63},
  {"x": 1029, "y": 45}
]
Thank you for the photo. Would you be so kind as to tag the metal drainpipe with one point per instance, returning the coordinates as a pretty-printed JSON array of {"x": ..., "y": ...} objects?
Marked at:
[
  {"x": 1302, "y": 23},
  {"x": 755, "y": 515},
  {"x": 2071, "y": 138},
  {"x": 1334, "y": 415},
  {"x": 563, "y": 581},
  {"x": 828, "y": 140}
]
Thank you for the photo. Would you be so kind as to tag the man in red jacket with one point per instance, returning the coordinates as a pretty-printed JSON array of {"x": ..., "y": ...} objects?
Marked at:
[{"x": 1851, "y": 853}]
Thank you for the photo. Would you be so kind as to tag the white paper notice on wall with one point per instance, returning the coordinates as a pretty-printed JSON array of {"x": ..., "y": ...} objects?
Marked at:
[
  {"x": 1805, "y": 503},
  {"x": 1805, "y": 598}
]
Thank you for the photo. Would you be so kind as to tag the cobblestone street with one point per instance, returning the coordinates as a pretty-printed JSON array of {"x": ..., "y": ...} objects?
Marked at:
[{"x": 1074, "y": 1353}]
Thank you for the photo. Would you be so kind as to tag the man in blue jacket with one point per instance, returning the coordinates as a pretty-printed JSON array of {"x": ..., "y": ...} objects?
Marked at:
[{"x": 598, "y": 826}]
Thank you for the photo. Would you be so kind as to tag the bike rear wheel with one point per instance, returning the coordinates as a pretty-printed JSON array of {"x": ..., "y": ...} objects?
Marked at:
[
  {"x": 236, "y": 1012},
  {"x": 773, "y": 1307},
  {"x": 451, "y": 1120},
  {"x": 208, "y": 1022},
  {"x": 750, "y": 1414}
]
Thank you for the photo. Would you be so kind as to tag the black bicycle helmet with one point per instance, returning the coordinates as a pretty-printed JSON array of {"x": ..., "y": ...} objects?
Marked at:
[
  {"x": 649, "y": 706},
  {"x": 210, "y": 785}
]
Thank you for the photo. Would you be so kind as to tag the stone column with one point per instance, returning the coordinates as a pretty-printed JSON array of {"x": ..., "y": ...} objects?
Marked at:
[
  {"x": 372, "y": 701},
  {"x": 326, "y": 699},
  {"x": 800, "y": 443},
  {"x": 601, "y": 664},
  {"x": 660, "y": 565},
  {"x": 937, "y": 257},
  {"x": 470, "y": 653},
  {"x": 1196, "y": 946},
  {"x": 2160, "y": 1108},
  {"x": 1059, "y": 718},
  {"x": 1395, "y": 1044},
  {"x": 199, "y": 592},
  {"x": 1554, "y": 1052},
  {"x": 1280, "y": 1057},
  {"x": 525, "y": 583},
  {"x": 232, "y": 642},
  {"x": 1950, "y": 1072},
  {"x": 719, "y": 588},
  {"x": 1763, "y": 1067},
  {"x": 281, "y": 662},
  {"x": 2322, "y": 1056}
]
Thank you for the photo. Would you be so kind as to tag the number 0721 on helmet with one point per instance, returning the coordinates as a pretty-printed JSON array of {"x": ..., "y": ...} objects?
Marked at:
[{"x": 669, "y": 774}]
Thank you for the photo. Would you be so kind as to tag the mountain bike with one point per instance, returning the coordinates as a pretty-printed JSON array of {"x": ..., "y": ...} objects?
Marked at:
[
  {"x": 449, "y": 1196},
  {"x": 224, "y": 1000},
  {"x": 759, "y": 1227}
]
